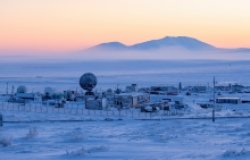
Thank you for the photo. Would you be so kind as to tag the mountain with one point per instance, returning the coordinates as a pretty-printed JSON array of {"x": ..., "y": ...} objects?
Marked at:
[
  {"x": 110, "y": 46},
  {"x": 184, "y": 42},
  {"x": 166, "y": 42},
  {"x": 241, "y": 50},
  {"x": 179, "y": 42}
]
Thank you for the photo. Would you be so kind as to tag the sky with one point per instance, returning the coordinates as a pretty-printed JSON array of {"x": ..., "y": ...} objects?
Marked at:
[{"x": 65, "y": 25}]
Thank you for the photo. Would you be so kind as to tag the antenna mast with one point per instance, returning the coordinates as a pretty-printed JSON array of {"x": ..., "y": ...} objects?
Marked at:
[
  {"x": 7, "y": 88},
  {"x": 214, "y": 103}
]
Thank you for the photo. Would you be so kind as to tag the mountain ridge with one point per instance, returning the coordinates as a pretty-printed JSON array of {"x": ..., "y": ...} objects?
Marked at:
[{"x": 185, "y": 42}]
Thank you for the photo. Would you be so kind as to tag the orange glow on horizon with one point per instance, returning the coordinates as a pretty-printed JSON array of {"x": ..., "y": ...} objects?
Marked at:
[{"x": 62, "y": 25}]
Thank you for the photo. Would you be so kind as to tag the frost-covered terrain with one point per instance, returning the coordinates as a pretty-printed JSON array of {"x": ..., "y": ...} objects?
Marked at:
[
  {"x": 41, "y": 133},
  {"x": 226, "y": 139}
]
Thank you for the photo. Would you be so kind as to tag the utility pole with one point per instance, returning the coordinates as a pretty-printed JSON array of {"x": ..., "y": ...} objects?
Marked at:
[
  {"x": 1, "y": 120},
  {"x": 12, "y": 89},
  {"x": 214, "y": 103},
  {"x": 7, "y": 88}
]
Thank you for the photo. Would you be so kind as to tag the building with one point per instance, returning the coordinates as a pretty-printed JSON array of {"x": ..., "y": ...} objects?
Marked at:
[
  {"x": 131, "y": 100},
  {"x": 237, "y": 88},
  {"x": 25, "y": 97},
  {"x": 196, "y": 89},
  {"x": 228, "y": 100},
  {"x": 166, "y": 90},
  {"x": 230, "y": 88},
  {"x": 95, "y": 103},
  {"x": 131, "y": 88},
  {"x": 69, "y": 95}
]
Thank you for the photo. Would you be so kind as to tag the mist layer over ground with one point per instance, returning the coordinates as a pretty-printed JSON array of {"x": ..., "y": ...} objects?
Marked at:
[
  {"x": 64, "y": 75},
  {"x": 119, "y": 67}
]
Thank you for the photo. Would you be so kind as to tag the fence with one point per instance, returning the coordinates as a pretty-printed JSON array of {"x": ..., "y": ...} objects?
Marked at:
[{"x": 78, "y": 110}]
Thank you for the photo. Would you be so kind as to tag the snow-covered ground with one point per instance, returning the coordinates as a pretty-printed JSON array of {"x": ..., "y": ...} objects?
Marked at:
[
  {"x": 128, "y": 140},
  {"x": 42, "y": 132},
  {"x": 32, "y": 132}
]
